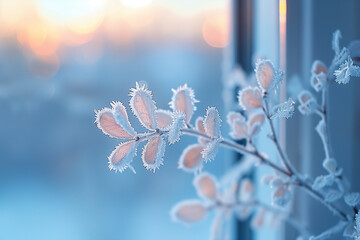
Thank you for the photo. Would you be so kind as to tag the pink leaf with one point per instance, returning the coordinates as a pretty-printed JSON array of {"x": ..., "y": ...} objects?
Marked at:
[
  {"x": 143, "y": 106},
  {"x": 183, "y": 100},
  {"x": 153, "y": 153},
  {"x": 239, "y": 130},
  {"x": 259, "y": 219},
  {"x": 234, "y": 116},
  {"x": 246, "y": 190},
  {"x": 191, "y": 158},
  {"x": 250, "y": 98},
  {"x": 199, "y": 124},
  {"x": 264, "y": 73},
  {"x": 114, "y": 122},
  {"x": 188, "y": 211},
  {"x": 122, "y": 156},
  {"x": 164, "y": 119},
  {"x": 205, "y": 185},
  {"x": 212, "y": 123}
]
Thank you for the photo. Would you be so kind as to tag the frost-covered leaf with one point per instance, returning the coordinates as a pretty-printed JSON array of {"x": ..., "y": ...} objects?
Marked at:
[
  {"x": 246, "y": 192},
  {"x": 333, "y": 195},
  {"x": 349, "y": 230},
  {"x": 347, "y": 69},
  {"x": 265, "y": 72},
  {"x": 205, "y": 185},
  {"x": 212, "y": 123},
  {"x": 318, "y": 67},
  {"x": 283, "y": 110},
  {"x": 199, "y": 125},
  {"x": 217, "y": 227},
  {"x": 323, "y": 181},
  {"x": 211, "y": 149},
  {"x": 281, "y": 196},
  {"x": 266, "y": 179},
  {"x": 258, "y": 219},
  {"x": 122, "y": 156},
  {"x": 352, "y": 199},
  {"x": 276, "y": 182},
  {"x": 188, "y": 211},
  {"x": 239, "y": 130},
  {"x": 250, "y": 98},
  {"x": 164, "y": 119},
  {"x": 175, "y": 128},
  {"x": 256, "y": 118},
  {"x": 191, "y": 159},
  {"x": 319, "y": 75},
  {"x": 307, "y": 103},
  {"x": 114, "y": 122},
  {"x": 183, "y": 100},
  {"x": 153, "y": 153},
  {"x": 143, "y": 106}
]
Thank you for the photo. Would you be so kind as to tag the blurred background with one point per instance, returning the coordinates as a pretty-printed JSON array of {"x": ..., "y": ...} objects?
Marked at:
[{"x": 61, "y": 60}]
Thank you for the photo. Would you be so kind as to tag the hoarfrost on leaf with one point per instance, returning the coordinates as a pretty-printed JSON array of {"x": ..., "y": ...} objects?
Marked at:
[
  {"x": 307, "y": 103},
  {"x": 206, "y": 186},
  {"x": 336, "y": 41},
  {"x": 211, "y": 149},
  {"x": 153, "y": 153},
  {"x": 191, "y": 159},
  {"x": 175, "y": 128},
  {"x": 122, "y": 156},
  {"x": 212, "y": 123},
  {"x": 283, "y": 110},
  {"x": 250, "y": 98},
  {"x": 183, "y": 100},
  {"x": 281, "y": 196},
  {"x": 114, "y": 122},
  {"x": 331, "y": 166},
  {"x": 268, "y": 79},
  {"x": 323, "y": 181},
  {"x": 143, "y": 106},
  {"x": 188, "y": 211},
  {"x": 352, "y": 199},
  {"x": 199, "y": 125},
  {"x": 246, "y": 190}
]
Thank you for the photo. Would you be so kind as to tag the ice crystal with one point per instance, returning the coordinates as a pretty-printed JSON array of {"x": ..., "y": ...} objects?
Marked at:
[
  {"x": 346, "y": 70},
  {"x": 283, "y": 110},
  {"x": 175, "y": 128}
]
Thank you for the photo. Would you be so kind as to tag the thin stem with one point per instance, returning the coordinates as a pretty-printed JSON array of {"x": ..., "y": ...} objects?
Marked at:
[{"x": 274, "y": 138}]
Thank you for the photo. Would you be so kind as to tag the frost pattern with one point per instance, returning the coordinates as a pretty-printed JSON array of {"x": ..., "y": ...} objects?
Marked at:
[
  {"x": 143, "y": 106},
  {"x": 175, "y": 128},
  {"x": 284, "y": 110},
  {"x": 153, "y": 153},
  {"x": 346, "y": 70},
  {"x": 183, "y": 100}
]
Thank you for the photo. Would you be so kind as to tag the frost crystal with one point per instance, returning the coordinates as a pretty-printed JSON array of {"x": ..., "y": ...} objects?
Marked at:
[
  {"x": 284, "y": 110},
  {"x": 183, "y": 100},
  {"x": 212, "y": 123},
  {"x": 346, "y": 70},
  {"x": 153, "y": 153},
  {"x": 250, "y": 98},
  {"x": 143, "y": 106},
  {"x": 205, "y": 185},
  {"x": 191, "y": 159},
  {"x": 188, "y": 211},
  {"x": 122, "y": 156},
  {"x": 352, "y": 199},
  {"x": 175, "y": 128},
  {"x": 114, "y": 122},
  {"x": 210, "y": 151}
]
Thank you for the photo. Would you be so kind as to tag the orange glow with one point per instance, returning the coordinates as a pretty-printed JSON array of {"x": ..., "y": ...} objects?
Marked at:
[
  {"x": 40, "y": 38},
  {"x": 87, "y": 24},
  {"x": 215, "y": 29},
  {"x": 282, "y": 11}
]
